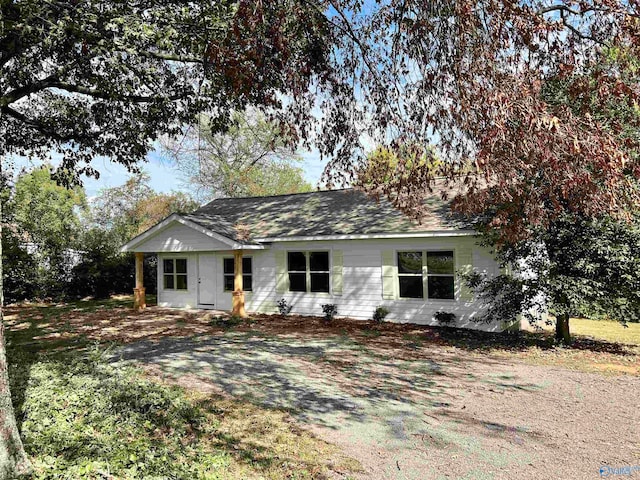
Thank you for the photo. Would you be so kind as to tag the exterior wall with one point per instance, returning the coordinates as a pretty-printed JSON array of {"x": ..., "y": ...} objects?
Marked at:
[
  {"x": 179, "y": 298},
  {"x": 189, "y": 298},
  {"x": 362, "y": 281},
  {"x": 180, "y": 238}
]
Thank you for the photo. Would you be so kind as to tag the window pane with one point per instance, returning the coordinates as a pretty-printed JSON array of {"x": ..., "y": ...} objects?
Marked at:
[
  {"x": 228, "y": 283},
  {"x": 297, "y": 262},
  {"x": 440, "y": 287},
  {"x": 181, "y": 265},
  {"x": 320, "y": 282},
  {"x": 168, "y": 282},
  {"x": 247, "y": 283},
  {"x": 411, "y": 287},
  {"x": 409, "y": 262},
  {"x": 440, "y": 262},
  {"x": 181, "y": 282},
  {"x": 246, "y": 265},
  {"x": 318, "y": 262},
  {"x": 298, "y": 282},
  {"x": 167, "y": 266},
  {"x": 228, "y": 265}
]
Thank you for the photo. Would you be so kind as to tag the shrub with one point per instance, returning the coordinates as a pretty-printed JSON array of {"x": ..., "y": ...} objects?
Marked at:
[
  {"x": 226, "y": 322},
  {"x": 380, "y": 313},
  {"x": 284, "y": 307},
  {"x": 445, "y": 318},
  {"x": 330, "y": 310}
]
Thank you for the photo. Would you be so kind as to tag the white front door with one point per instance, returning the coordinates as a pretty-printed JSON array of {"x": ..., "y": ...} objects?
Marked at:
[{"x": 207, "y": 279}]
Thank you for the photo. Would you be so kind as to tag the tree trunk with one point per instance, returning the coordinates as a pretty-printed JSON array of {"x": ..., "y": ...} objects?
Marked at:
[
  {"x": 13, "y": 459},
  {"x": 562, "y": 328}
]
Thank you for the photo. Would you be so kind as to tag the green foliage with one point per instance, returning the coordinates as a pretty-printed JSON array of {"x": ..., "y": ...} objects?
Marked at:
[
  {"x": 284, "y": 307},
  {"x": 380, "y": 313},
  {"x": 445, "y": 318},
  {"x": 47, "y": 212},
  {"x": 330, "y": 310},
  {"x": 103, "y": 270},
  {"x": 20, "y": 270},
  {"x": 83, "y": 418},
  {"x": 130, "y": 209},
  {"x": 252, "y": 157},
  {"x": 576, "y": 265},
  {"x": 41, "y": 236},
  {"x": 113, "y": 76},
  {"x": 117, "y": 215}
]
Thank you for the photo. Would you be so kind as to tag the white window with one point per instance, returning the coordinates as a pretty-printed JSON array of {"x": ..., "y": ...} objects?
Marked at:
[
  {"x": 174, "y": 273},
  {"x": 410, "y": 275},
  {"x": 439, "y": 277},
  {"x": 228, "y": 273},
  {"x": 308, "y": 271}
]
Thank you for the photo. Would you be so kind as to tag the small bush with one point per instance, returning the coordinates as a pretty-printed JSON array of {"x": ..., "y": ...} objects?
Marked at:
[
  {"x": 380, "y": 313},
  {"x": 226, "y": 322},
  {"x": 284, "y": 307},
  {"x": 330, "y": 310},
  {"x": 445, "y": 318}
]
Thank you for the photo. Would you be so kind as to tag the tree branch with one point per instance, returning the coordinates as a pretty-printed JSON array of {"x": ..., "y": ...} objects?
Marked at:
[
  {"x": 52, "y": 82},
  {"x": 42, "y": 128}
]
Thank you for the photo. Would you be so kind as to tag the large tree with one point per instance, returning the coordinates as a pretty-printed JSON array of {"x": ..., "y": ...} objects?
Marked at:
[
  {"x": 468, "y": 75},
  {"x": 574, "y": 265},
  {"x": 253, "y": 157},
  {"x": 577, "y": 258},
  {"x": 108, "y": 78},
  {"x": 132, "y": 208}
]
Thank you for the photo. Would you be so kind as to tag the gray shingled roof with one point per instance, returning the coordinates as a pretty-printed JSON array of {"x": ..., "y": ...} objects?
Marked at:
[{"x": 333, "y": 212}]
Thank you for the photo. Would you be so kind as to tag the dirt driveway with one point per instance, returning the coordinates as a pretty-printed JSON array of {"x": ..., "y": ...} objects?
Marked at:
[{"x": 426, "y": 411}]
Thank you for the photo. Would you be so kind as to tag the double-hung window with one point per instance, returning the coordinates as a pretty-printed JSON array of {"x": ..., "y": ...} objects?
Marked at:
[
  {"x": 174, "y": 272},
  {"x": 308, "y": 271},
  {"x": 410, "y": 274},
  {"x": 440, "y": 275},
  {"x": 229, "y": 275},
  {"x": 438, "y": 272}
]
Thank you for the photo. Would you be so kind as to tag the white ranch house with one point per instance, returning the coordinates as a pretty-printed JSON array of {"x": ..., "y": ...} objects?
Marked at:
[{"x": 340, "y": 247}]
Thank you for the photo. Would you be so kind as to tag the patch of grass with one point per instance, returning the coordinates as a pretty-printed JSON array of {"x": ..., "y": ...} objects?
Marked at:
[
  {"x": 371, "y": 332},
  {"x": 228, "y": 322},
  {"x": 413, "y": 341},
  {"x": 608, "y": 330},
  {"x": 83, "y": 418}
]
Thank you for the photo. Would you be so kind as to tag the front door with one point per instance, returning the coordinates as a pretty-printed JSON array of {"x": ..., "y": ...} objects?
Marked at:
[{"x": 207, "y": 279}]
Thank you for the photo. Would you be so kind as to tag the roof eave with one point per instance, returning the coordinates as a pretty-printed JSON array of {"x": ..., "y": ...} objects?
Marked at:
[
  {"x": 130, "y": 246},
  {"x": 370, "y": 236}
]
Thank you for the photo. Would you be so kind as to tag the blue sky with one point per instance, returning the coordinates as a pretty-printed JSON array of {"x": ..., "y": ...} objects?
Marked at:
[{"x": 164, "y": 176}]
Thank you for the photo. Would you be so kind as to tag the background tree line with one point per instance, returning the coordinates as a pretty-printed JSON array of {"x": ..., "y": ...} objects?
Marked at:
[{"x": 58, "y": 244}]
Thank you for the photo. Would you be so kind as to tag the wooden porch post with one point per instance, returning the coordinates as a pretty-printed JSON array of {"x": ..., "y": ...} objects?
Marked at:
[
  {"x": 238, "y": 293},
  {"x": 139, "y": 298}
]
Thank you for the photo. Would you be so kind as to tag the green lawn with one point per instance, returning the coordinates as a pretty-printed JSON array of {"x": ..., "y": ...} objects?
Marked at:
[{"x": 609, "y": 331}]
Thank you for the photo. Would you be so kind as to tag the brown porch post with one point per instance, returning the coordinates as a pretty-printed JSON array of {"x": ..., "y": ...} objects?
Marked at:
[
  {"x": 139, "y": 298},
  {"x": 238, "y": 294}
]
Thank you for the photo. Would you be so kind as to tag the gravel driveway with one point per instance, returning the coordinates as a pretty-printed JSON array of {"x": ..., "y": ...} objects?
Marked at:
[{"x": 447, "y": 414}]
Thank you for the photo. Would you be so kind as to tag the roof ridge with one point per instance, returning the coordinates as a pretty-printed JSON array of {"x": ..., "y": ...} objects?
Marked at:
[{"x": 275, "y": 196}]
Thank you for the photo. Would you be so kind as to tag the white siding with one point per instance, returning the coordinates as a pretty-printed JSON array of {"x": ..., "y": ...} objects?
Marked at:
[
  {"x": 362, "y": 279},
  {"x": 180, "y": 238},
  {"x": 179, "y": 298}
]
